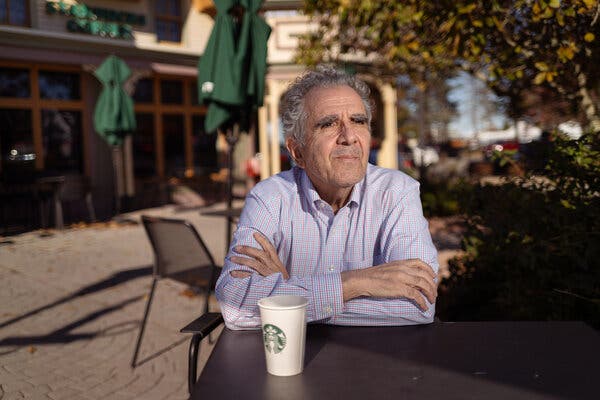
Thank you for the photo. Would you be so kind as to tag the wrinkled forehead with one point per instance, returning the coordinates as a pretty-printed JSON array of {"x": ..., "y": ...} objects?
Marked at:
[{"x": 332, "y": 100}]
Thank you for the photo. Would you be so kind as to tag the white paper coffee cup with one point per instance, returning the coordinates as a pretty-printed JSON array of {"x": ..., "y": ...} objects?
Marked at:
[{"x": 284, "y": 333}]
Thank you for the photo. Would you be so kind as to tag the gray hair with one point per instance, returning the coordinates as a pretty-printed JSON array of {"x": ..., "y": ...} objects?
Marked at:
[{"x": 293, "y": 114}]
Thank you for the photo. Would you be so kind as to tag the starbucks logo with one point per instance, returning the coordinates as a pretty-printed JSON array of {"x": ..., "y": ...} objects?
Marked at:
[{"x": 274, "y": 338}]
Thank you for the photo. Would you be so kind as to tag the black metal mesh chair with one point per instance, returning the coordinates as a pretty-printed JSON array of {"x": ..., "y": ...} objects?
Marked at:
[
  {"x": 199, "y": 328},
  {"x": 180, "y": 254}
]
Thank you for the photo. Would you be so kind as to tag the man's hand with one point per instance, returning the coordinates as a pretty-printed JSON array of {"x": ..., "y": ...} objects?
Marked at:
[
  {"x": 411, "y": 279},
  {"x": 265, "y": 261}
]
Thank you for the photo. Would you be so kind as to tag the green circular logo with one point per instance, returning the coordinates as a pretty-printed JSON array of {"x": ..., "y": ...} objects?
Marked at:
[{"x": 273, "y": 338}]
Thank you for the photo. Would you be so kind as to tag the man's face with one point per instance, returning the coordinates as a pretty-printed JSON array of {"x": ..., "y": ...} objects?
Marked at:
[{"x": 336, "y": 146}]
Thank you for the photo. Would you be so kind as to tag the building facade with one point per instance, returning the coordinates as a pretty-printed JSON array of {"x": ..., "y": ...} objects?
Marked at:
[
  {"x": 49, "y": 50},
  {"x": 48, "y": 53}
]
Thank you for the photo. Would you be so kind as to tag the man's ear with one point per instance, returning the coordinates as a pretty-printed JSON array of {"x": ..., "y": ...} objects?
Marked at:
[{"x": 295, "y": 151}]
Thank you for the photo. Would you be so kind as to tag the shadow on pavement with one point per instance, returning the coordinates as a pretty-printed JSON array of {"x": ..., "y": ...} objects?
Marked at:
[
  {"x": 160, "y": 352},
  {"x": 63, "y": 335},
  {"x": 113, "y": 280}
]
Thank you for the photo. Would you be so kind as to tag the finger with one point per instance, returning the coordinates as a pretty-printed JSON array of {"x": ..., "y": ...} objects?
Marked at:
[
  {"x": 416, "y": 296},
  {"x": 272, "y": 253},
  {"x": 254, "y": 264},
  {"x": 420, "y": 272},
  {"x": 253, "y": 252},
  {"x": 415, "y": 262},
  {"x": 423, "y": 285},
  {"x": 417, "y": 278},
  {"x": 266, "y": 245},
  {"x": 240, "y": 274}
]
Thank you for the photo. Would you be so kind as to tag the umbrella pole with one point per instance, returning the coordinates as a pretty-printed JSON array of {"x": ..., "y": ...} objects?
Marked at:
[
  {"x": 232, "y": 136},
  {"x": 117, "y": 168}
]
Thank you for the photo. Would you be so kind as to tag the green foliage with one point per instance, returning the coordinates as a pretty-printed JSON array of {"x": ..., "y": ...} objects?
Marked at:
[
  {"x": 440, "y": 199},
  {"x": 532, "y": 245},
  {"x": 513, "y": 45},
  {"x": 503, "y": 158}
]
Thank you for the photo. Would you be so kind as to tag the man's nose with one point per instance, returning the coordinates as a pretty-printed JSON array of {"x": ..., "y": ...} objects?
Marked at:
[{"x": 347, "y": 134}]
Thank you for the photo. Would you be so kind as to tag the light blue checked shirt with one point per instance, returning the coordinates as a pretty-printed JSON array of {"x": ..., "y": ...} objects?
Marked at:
[{"x": 382, "y": 222}]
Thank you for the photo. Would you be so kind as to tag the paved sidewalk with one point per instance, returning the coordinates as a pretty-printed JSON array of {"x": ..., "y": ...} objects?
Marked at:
[
  {"x": 70, "y": 307},
  {"x": 71, "y": 303}
]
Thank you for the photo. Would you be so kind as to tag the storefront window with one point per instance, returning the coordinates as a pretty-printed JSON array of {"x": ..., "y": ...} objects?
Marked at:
[
  {"x": 14, "y": 82},
  {"x": 194, "y": 93},
  {"x": 171, "y": 92},
  {"x": 204, "y": 145},
  {"x": 17, "y": 153},
  {"x": 59, "y": 85},
  {"x": 168, "y": 20},
  {"x": 14, "y": 12},
  {"x": 174, "y": 141},
  {"x": 144, "y": 148},
  {"x": 144, "y": 91},
  {"x": 61, "y": 136}
]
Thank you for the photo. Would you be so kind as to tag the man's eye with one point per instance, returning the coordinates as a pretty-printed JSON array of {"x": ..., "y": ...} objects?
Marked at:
[
  {"x": 359, "y": 121},
  {"x": 327, "y": 124}
]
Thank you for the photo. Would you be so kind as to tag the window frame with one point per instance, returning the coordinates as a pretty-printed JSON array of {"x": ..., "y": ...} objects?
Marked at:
[
  {"x": 36, "y": 104},
  {"x": 186, "y": 109},
  {"x": 27, "y": 23},
  {"x": 178, "y": 19}
]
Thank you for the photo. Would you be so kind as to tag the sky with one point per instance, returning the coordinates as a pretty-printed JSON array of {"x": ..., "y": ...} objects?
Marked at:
[{"x": 470, "y": 113}]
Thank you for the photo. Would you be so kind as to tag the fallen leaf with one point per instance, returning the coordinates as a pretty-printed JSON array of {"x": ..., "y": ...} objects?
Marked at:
[
  {"x": 31, "y": 349},
  {"x": 189, "y": 293}
]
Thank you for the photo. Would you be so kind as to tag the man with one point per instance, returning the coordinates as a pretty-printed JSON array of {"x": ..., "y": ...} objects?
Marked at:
[{"x": 347, "y": 235}]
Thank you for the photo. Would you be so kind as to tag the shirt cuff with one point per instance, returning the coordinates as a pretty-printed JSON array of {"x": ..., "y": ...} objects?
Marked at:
[{"x": 327, "y": 296}]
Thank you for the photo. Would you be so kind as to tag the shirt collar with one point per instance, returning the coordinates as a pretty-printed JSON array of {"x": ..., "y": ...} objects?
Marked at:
[{"x": 313, "y": 197}]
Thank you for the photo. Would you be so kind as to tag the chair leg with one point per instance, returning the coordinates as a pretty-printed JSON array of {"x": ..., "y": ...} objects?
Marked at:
[
  {"x": 193, "y": 361},
  {"x": 143, "y": 324},
  {"x": 211, "y": 287},
  {"x": 211, "y": 284},
  {"x": 90, "y": 207}
]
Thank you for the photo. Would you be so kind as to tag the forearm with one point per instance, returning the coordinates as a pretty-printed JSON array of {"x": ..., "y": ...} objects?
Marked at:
[
  {"x": 366, "y": 311},
  {"x": 238, "y": 297},
  {"x": 362, "y": 306}
]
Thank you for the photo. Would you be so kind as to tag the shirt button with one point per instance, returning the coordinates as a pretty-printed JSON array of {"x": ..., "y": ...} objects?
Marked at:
[
  {"x": 331, "y": 268},
  {"x": 327, "y": 310}
]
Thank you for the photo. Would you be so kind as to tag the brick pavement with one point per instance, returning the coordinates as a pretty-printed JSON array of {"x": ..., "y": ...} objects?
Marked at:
[{"x": 70, "y": 307}]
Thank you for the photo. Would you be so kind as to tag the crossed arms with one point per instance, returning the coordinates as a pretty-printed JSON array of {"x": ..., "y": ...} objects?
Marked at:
[{"x": 398, "y": 289}]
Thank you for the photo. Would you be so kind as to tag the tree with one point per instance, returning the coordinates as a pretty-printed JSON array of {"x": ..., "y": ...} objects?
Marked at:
[
  {"x": 513, "y": 46},
  {"x": 428, "y": 109}
]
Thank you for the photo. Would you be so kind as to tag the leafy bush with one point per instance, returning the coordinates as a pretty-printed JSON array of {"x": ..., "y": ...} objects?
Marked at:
[
  {"x": 532, "y": 244},
  {"x": 440, "y": 199}
]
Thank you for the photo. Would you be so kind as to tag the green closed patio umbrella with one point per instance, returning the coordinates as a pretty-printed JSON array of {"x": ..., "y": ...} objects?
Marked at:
[
  {"x": 231, "y": 73},
  {"x": 114, "y": 117}
]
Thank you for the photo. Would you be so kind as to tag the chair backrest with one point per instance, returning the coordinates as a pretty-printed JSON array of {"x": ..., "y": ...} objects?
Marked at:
[{"x": 177, "y": 246}]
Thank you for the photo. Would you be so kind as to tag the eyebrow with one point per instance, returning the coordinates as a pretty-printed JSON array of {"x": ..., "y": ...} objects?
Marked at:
[
  {"x": 359, "y": 117},
  {"x": 333, "y": 117},
  {"x": 326, "y": 120}
]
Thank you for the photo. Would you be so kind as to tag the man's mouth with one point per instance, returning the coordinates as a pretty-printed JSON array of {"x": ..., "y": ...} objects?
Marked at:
[{"x": 346, "y": 156}]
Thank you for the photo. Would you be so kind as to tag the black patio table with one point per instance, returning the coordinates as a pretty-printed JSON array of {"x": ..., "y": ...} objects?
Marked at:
[{"x": 463, "y": 360}]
